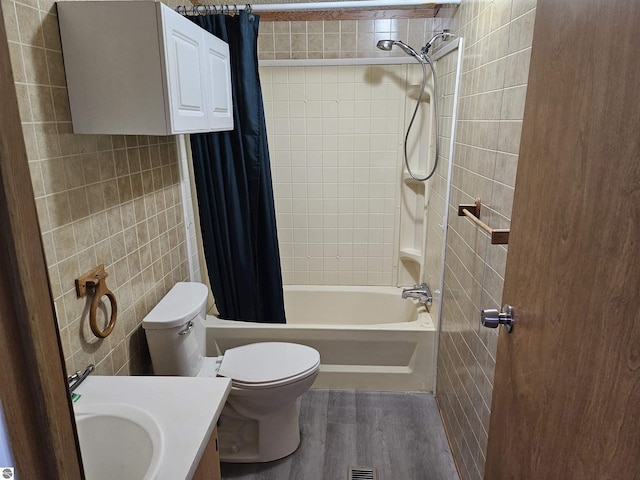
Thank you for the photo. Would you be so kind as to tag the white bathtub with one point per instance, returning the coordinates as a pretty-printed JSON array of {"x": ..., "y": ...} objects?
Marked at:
[{"x": 369, "y": 338}]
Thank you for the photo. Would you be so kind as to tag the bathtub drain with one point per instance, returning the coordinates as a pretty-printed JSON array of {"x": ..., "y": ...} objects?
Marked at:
[{"x": 361, "y": 473}]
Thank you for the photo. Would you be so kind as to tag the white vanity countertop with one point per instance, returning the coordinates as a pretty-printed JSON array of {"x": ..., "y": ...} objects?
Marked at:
[{"x": 186, "y": 408}]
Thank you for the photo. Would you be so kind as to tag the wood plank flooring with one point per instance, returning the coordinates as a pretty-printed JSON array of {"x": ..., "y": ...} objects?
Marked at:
[{"x": 399, "y": 434}]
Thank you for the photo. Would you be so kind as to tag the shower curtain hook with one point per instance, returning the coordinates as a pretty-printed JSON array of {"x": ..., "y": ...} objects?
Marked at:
[{"x": 235, "y": 9}]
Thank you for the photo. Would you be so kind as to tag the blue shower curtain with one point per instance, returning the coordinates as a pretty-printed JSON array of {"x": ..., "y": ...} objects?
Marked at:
[{"x": 234, "y": 190}]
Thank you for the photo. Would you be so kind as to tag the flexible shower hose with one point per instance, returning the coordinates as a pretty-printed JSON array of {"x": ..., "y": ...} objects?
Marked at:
[{"x": 424, "y": 59}]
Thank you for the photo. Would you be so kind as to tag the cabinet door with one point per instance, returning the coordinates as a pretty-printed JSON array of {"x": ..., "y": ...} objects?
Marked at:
[
  {"x": 209, "y": 466},
  {"x": 218, "y": 87},
  {"x": 185, "y": 72}
]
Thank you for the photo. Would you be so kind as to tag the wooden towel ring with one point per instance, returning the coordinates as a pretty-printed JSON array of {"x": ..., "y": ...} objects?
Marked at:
[{"x": 96, "y": 279}]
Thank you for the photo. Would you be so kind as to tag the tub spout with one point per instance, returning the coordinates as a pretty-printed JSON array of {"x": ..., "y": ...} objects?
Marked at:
[{"x": 420, "y": 291}]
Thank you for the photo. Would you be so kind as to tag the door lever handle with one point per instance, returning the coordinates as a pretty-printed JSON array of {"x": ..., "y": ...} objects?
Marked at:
[{"x": 491, "y": 318}]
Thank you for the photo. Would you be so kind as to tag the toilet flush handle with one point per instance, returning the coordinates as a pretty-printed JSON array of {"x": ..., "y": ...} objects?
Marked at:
[{"x": 186, "y": 329}]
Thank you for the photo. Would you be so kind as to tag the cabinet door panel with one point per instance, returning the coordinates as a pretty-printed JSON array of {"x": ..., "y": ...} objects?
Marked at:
[
  {"x": 185, "y": 74},
  {"x": 219, "y": 83},
  {"x": 188, "y": 87}
]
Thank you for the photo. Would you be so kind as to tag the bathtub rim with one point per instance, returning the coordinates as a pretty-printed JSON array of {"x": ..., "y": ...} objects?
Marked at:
[{"x": 421, "y": 324}]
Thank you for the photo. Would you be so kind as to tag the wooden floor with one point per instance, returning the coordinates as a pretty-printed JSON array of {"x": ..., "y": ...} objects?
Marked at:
[{"x": 399, "y": 434}]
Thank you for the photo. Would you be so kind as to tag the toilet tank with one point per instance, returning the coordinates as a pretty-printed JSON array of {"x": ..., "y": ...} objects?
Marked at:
[{"x": 175, "y": 330}]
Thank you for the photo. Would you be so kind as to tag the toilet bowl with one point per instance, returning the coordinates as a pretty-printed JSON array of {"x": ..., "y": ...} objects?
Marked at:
[{"x": 259, "y": 422}]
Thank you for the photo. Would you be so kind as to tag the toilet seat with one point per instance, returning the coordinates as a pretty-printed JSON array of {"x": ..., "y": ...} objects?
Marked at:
[
  {"x": 265, "y": 386},
  {"x": 268, "y": 364}
]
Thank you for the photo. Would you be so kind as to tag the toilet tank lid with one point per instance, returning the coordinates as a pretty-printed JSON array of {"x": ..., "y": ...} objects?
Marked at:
[{"x": 181, "y": 304}]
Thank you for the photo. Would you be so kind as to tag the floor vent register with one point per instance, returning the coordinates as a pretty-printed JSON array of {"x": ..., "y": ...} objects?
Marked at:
[{"x": 362, "y": 473}]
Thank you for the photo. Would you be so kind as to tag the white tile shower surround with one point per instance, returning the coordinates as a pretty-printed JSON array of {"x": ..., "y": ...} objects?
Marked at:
[{"x": 335, "y": 137}]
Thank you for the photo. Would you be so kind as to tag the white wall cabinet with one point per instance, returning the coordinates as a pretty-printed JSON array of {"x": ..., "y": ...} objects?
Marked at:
[{"x": 140, "y": 68}]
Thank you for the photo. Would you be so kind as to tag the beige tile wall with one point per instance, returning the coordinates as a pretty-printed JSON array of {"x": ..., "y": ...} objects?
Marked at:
[
  {"x": 104, "y": 199},
  {"x": 495, "y": 70},
  {"x": 334, "y": 39},
  {"x": 337, "y": 39}
]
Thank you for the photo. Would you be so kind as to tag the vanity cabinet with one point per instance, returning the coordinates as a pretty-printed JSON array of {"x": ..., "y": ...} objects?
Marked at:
[
  {"x": 209, "y": 466},
  {"x": 142, "y": 68}
]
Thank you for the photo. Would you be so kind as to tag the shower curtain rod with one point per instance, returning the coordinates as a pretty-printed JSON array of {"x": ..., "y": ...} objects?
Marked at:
[{"x": 296, "y": 7}]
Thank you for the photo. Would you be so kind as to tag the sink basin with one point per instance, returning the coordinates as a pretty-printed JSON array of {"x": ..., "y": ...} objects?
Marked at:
[{"x": 118, "y": 441}]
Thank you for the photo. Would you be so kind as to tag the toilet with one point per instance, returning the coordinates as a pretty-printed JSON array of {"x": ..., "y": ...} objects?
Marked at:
[{"x": 259, "y": 422}]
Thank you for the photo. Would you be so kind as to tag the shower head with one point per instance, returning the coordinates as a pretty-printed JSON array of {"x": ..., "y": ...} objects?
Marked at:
[
  {"x": 386, "y": 45},
  {"x": 444, "y": 35}
]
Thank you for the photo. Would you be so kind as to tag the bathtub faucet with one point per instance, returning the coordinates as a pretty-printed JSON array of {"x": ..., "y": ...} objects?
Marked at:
[{"x": 420, "y": 291}]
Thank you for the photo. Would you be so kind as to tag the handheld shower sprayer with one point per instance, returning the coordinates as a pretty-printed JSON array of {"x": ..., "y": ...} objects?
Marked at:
[
  {"x": 424, "y": 59},
  {"x": 386, "y": 45}
]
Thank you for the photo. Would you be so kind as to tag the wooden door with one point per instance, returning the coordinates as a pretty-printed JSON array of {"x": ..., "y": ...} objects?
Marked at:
[
  {"x": 566, "y": 402},
  {"x": 34, "y": 398}
]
